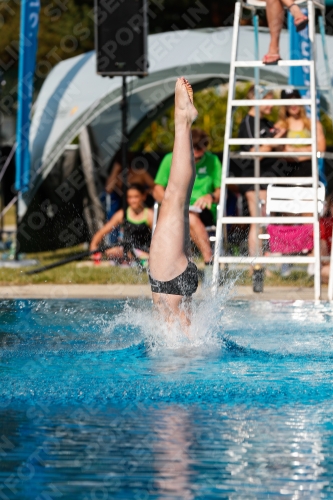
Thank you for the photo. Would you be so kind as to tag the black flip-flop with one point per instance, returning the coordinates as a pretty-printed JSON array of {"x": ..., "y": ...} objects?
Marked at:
[
  {"x": 271, "y": 63},
  {"x": 303, "y": 24}
]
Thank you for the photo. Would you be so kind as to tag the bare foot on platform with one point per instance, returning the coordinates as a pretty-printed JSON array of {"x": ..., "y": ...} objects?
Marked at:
[{"x": 184, "y": 109}]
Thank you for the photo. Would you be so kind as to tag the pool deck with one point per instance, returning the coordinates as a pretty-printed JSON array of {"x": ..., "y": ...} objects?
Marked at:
[{"x": 49, "y": 291}]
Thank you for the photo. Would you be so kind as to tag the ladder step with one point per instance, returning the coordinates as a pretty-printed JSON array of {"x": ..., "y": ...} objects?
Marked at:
[
  {"x": 267, "y": 260},
  {"x": 253, "y": 5},
  {"x": 268, "y": 180},
  {"x": 268, "y": 220},
  {"x": 328, "y": 155},
  {"x": 257, "y": 64},
  {"x": 271, "y": 102},
  {"x": 280, "y": 87},
  {"x": 268, "y": 154},
  {"x": 269, "y": 142}
]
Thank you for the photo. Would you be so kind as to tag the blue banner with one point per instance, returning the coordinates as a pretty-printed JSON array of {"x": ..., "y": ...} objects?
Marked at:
[
  {"x": 27, "y": 61},
  {"x": 299, "y": 76},
  {"x": 300, "y": 48}
]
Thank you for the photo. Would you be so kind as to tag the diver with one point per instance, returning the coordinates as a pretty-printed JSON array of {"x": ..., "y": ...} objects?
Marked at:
[{"x": 172, "y": 275}]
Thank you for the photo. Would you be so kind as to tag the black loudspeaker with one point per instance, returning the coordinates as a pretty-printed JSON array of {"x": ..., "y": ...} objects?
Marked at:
[{"x": 121, "y": 30}]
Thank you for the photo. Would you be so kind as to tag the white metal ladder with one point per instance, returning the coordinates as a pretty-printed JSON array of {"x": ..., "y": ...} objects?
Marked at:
[{"x": 257, "y": 180}]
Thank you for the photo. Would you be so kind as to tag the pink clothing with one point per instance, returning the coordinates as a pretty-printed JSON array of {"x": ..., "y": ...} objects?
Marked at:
[{"x": 290, "y": 239}]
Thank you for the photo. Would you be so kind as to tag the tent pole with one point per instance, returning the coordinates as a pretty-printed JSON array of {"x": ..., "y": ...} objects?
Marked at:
[
  {"x": 1, "y": 191},
  {"x": 124, "y": 143},
  {"x": 16, "y": 256}
]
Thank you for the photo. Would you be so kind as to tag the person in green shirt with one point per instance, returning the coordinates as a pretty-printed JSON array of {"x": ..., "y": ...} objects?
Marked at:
[{"x": 205, "y": 194}]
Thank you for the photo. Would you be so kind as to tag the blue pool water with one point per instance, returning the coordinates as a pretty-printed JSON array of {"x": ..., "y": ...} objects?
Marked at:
[{"x": 98, "y": 401}]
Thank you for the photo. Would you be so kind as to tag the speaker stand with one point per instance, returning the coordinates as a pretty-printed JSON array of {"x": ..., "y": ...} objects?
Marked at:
[{"x": 124, "y": 143}]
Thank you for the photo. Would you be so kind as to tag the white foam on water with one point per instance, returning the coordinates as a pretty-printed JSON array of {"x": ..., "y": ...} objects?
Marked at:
[{"x": 205, "y": 332}]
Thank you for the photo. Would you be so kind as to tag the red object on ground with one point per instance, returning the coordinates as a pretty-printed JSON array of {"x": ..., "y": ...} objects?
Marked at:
[
  {"x": 97, "y": 258},
  {"x": 290, "y": 239},
  {"x": 326, "y": 226}
]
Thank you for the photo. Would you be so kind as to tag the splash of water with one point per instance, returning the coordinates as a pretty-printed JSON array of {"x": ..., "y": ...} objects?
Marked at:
[{"x": 205, "y": 331}]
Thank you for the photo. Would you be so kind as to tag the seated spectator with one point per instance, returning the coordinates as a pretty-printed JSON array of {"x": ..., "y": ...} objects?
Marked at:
[
  {"x": 205, "y": 193},
  {"x": 275, "y": 19},
  {"x": 293, "y": 119},
  {"x": 326, "y": 227},
  {"x": 135, "y": 174},
  {"x": 267, "y": 165},
  {"x": 137, "y": 224}
]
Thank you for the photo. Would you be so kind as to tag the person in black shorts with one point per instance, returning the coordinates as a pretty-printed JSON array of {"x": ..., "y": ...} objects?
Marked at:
[
  {"x": 269, "y": 167},
  {"x": 172, "y": 275}
]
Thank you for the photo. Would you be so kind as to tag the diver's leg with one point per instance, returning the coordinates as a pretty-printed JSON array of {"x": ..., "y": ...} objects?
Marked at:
[{"x": 169, "y": 249}]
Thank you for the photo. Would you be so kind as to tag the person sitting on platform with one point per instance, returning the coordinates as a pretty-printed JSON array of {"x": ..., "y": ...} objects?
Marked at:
[
  {"x": 294, "y": 239},
  {"x": 137, "y": 224},
  {"x": 275, "y": 19},
  {"x": 268, "y": 166},
  {"x": 294, "y": 120},
  {"x": 205, "y": 194}
]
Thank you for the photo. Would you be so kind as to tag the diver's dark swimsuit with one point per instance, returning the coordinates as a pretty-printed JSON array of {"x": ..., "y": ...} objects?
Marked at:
[{"x": 184, "y": 284}]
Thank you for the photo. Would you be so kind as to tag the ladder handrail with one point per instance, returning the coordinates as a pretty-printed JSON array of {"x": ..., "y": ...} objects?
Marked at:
[
  {"x": 271, "y": 102},
  {"x": 227, "y": 133},
  {"x": 283, "y": 62},
  {"x": 267, "y": 260},
  {"x": 269, "y": 180}
]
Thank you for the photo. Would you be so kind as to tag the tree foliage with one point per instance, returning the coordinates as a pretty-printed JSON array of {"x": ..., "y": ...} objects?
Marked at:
[
  {"x": 63, "y": 20},
  {"x": 66, "y": 29},
  {"x": 211, "y": 104}
]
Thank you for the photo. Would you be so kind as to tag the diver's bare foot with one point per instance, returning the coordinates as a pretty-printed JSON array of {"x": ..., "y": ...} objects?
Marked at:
[{"x": 184, "y": 109}]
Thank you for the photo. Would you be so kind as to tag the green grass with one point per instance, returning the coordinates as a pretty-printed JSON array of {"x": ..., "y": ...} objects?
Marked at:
[
  {"x": 70, "y": 273},
  {"x": 10, "y": 217},
  {"x": 273, "y": 278}
]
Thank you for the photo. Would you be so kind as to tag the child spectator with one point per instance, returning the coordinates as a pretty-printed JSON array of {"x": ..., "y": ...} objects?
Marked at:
[
  {"x": 137, "y": 223},
  {"x": 267, "y": 165},
  {"x": 294, "y": 121},
  {"x": 135, "y": 174}
]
